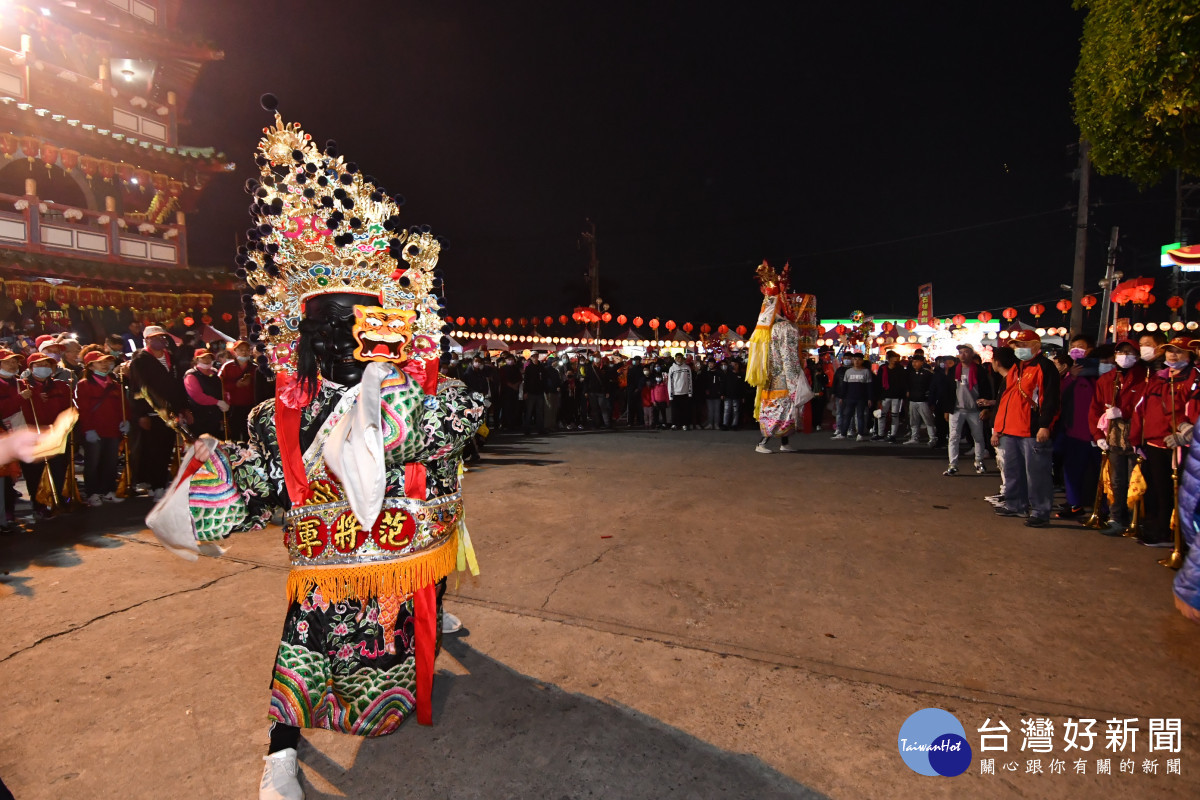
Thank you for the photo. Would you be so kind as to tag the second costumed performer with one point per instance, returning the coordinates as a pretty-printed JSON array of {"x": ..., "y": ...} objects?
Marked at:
[
  {"x": 775, "y": 365},
  {"x": 361, "y": 447}
]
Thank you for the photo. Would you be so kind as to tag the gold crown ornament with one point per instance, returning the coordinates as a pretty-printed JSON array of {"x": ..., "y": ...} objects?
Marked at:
[{"x": 322, "y": 227}]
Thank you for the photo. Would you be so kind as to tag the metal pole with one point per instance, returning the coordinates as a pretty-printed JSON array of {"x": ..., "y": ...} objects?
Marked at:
[
  {"x": 1109, "y": 277},
  {"x": 1079, "y": 274}
]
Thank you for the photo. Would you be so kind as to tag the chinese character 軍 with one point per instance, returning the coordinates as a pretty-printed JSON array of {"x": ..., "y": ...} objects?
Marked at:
[
  {"x": 1033, "y": 767},
  {"x": 1173, "y": 766},
  {"x": 308, "y": 536},
  {"x": 1057, "y": 766},
  {"x": 1103, "y": 766},
  {"x": 1120, "y": 733},
  {"x": 987, "y": 766},
  {"x": 1071, "y": 732},
  {"x": 1127, "y": 765},
  {"x": 1165, "y": 734},
  {"x": 1038, "y": 735},
  {"x": 1081, "y": 767},
  {"x": 998, "y": 733},
  {"x": 1150, "y": 766}
]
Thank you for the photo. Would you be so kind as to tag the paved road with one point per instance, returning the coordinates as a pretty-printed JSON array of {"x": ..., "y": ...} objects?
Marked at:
[{"x": 660, "y": 614}]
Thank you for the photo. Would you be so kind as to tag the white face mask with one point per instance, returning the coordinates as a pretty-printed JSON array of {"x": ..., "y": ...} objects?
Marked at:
[
  {"x": 1023, "y": 353},
  {"x": 1147, "y": 353},
  {"x": 1177, "y": 365},
  {"x": 1126, "y": 360},
  {"x": 6, "y": 374},
  {"x": 41, "y": 373},
  {"x": 243, "y": 359},
  {"x": 204, "y": 366},
  {"x": 1105, "y": 367}
]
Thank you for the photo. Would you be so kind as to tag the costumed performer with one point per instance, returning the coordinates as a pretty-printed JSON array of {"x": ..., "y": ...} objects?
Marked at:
[
  {"x": 361, "y": 447},
  {"x": 774, "y": 365}
]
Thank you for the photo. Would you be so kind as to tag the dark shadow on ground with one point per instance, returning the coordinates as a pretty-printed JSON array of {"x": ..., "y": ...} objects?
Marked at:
[{"x": 499, "y": 734}]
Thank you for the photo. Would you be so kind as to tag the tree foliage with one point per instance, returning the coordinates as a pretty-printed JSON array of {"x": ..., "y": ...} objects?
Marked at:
[{"x": 1136, "y": 96}]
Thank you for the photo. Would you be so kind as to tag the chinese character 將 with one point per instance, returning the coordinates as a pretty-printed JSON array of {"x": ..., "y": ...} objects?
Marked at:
[
  {"x": 1000, "y": 732},
  {"x": 1173, "y": 766},
  {"x": 1033, "y": 767},
  {"x": 308, "y": 535},
  {"x": 1120, "y": 733},
  {"x": 1071, "y": 732},
  {"x": 345, "y": 531},
  {"x": 1103, "y": 766},
  {"x": 1057, "y": 766},
  {"x": 1127, "y": 765},
  {"x": 1150, "y": 767},
  {"x": 1080, "y": 767},
  {"x": 1165, "y": 734},
  {"x": 987, "y": 766},
  {"x": 1038, "y": 735}
]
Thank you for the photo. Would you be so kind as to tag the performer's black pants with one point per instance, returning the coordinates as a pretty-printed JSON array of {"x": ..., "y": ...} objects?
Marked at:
[
  {"x": 154, "y": 454},
  {"x": 238, "y": 417}
]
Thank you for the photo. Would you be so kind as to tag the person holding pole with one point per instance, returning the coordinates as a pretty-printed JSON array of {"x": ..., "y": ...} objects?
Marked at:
[
  {"x": 44, "y": 398},
  {"x": 102, "y": 423},
  {"x": 206, "y": 397},
  {"x": 237, "y": 378}
]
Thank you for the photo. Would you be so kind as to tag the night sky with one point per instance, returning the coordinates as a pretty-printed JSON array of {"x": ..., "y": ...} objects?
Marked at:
[{"x": 700, "y": 138}]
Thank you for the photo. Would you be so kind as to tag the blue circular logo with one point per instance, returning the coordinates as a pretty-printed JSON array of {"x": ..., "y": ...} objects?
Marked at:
[{"x": 933, "y": 742}]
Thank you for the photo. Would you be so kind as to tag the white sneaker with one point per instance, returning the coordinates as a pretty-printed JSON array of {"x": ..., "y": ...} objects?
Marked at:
[
  {"x": 158, "y": 494},
  {"x": 860, "y": 438},
  {"x": 450, "y": 623},
  {"x": 111, "y": 497},
  {"x": 913, "y": 441},
  {"x": 838, "y": 436},
  {"x": 279, "y": 780},
  {"x": 685, "y": 427},
  {"x": 783, "y": 448},
  {"x": 93, "y": 500},
  {"x": 760, "y": 449}
]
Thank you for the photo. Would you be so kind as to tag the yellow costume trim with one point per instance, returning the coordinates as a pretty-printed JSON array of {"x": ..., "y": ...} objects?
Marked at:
[{"x": 401, "y": 577}]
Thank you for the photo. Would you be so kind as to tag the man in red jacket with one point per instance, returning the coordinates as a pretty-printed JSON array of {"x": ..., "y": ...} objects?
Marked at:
[
  {"x": 1109, "y": 418},
  {"x": 1024, "y": 416},
  {"x": 45, "y": 397},
  {"x": 237, "y": 378},
  {"x": 101, "y": 422},
  {"x": 1162, "y": 420}
]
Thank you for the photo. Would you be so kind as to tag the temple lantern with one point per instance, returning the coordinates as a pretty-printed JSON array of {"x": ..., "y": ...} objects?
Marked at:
[
  {"x": 32, "y": 147},
  {"x": 41, "y": 293},
  {"x": 1009, "y": 313},
  {"x": 67, "y": 295},
  {"x": 722, "y": 329},
  {"x": 959, "y": 320},
  {"x": 70, "y": 159},
  {"x": 654, "y": 323},
  {"x": 1175, "y": 302},
  {"x": 910, "y": 324},
  {"x": 687, "y": 327},
  {"x": 508, "y": 322},
  {"x": 9, "y": 145},
  {"x": 741, "y": 330},
  {"x": 160, "y": 181},
  {"x": 705, "y": 328},
  {"x": 17, "y": 291},
  {"x": 562, "y": 319},
  {"x": 460, "y": 321},
  {"x": 637, "y": 322},
  {"x": 1088, "y": 301},
  {"x": 1037, "y": 309},
  {"x": 670, "y": 324},
  {"x": 548, "y": 320},
  {"x": 125, "y": 172},
  {"x": 1063, "y": 305},
  {"x": 985, "y": 317},
  {"x": 622, "y": 319},
  {"x": 107, "y": 170}
]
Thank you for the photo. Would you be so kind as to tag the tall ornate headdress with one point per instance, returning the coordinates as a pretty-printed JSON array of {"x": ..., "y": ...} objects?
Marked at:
[{"x": 322, "y": 227}]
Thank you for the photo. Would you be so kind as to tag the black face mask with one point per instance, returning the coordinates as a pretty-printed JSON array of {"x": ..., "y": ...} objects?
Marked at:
[{"x": 329, "y": 328}]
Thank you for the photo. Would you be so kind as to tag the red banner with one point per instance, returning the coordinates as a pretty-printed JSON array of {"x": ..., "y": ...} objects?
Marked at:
[{"x": 925, "y": 304}]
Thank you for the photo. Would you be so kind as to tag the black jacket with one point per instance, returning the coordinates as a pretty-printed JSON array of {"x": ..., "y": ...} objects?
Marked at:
[
  {"x": 919, "y": 383},
  {"x": 148, "y": 376}
]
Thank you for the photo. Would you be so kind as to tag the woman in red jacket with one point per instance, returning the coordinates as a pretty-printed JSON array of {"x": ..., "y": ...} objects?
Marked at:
[
  {"x": 11, "y": 418},
  {"x": 101, "y": 422},
  {"x": 237, "y": 378},
  {"x": 44, "y": 398}
]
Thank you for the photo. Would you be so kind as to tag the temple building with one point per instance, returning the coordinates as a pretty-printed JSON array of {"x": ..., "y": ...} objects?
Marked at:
[{"x": 95, "y": 186}]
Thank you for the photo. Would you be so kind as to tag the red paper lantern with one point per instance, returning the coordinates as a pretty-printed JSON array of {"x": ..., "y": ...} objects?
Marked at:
[
  {"x": 227, "y": 317},
  {"x": 562, "y": 319},
  {"x": 706, "y": 328},
  {"x": 909, "y": 324},
  {"x": 723, "y": 329},
  {"x": 31, "y": 146},
  {"x": 524, "y": 322},
  {"x": 741, "y": 330},
  {"x": 1009, "y": 313},
  {"x": 959, "y": 320},
  {"x": 107, "y": 169},
  {"x": 188, "y": 321},
  {"x": 9, "y": 144},
  {"x": 206, "y": 319},
  {"x": 449, "y": 320},
  {"x": 887, "y": 327},
  {"x": 670, "y": 324},
  {"x": 70, "y": 159},
  {"x": 508, "y": 322},
  {"x": 607, "y": 317},
  {"x": 687, "y": 327},
  {"x": 50, "y": 153},
  {"x": 985, "y": 317},
  {"x": 1150, "y": 300},
  {"x": 471, "y": 321},
  {"x": 622, "y": 319},
  {"x": 1063, "y": 305},
  {"x": 1088, "y": 301},
  {"x": 549, "y": 321},
  {"x": 1037, "y": 309},
  {"x": 654, "y": 323},
  {"x": 840, "y": 330},
  {"x": 820, "y": 330},
  {"x": 460, "y": 321},
  {"x": 637, "y": 322},
  {"x": 1175, "y": 302}
]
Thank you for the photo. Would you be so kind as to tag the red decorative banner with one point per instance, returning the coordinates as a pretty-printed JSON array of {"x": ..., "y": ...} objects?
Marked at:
[{"x": 925, "y": 304}]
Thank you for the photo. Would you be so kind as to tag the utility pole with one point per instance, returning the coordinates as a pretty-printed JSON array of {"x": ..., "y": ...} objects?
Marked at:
[
  {"x": 588, "y": 238},
  {"x": 1079, "y": 276},
  {"x": 1111, "y": 276}
]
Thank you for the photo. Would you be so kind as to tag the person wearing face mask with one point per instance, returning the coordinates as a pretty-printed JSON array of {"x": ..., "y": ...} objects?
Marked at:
[
  {"x": 151, "y": 374},
  {"x": 595, "y": 387},
  {"x": 101, "y": 423},
  {"x": 553, "y": 380},
  {"x": 237, "y": 381},
  {"x": 1162, "y": 427},
  {"x": 114, "y": 346},
  {"x": 533, "y": 389},
  {"x": 45, "y": 397},
  {"x": 1117, "y": 394},
  {"x": 1024, "y": 417},
  {"x": 1148, "y": 348},
  {"x": 11, "y": 419},
  {"x": 206, "y": 396},
  {"x": 967, "y": 391},
  {"x": 1080, "y": 456},
  {"x": 510, "y": 394},
  {"x": 837, "y": 390},
  {"x": 635, "y": 380}
]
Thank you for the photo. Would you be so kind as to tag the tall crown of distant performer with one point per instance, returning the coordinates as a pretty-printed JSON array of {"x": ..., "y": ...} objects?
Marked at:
[{"x": 322, "y": 227}]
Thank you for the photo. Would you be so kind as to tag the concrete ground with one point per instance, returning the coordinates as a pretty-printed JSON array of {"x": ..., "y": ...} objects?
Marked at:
[{"x": 660, "y": 614}]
